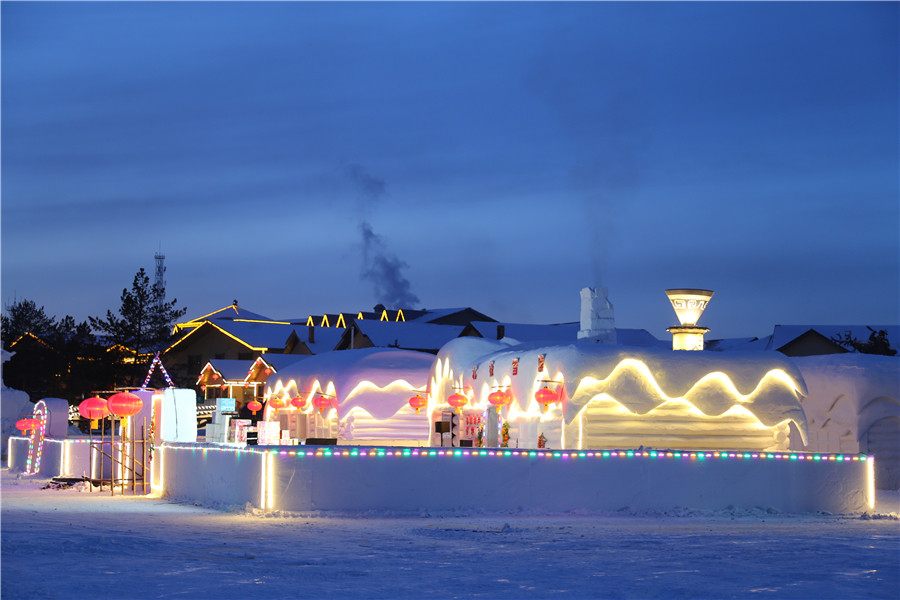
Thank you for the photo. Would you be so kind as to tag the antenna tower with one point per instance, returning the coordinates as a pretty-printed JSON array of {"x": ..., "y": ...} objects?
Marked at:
[{"x": 160, "y": 274}]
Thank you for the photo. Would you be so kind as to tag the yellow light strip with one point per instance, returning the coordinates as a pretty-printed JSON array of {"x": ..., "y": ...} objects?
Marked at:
[
  {"x": 641, "y": 368},
  {"x": 870, "y": 481},
  {"x": 261, "y": 321},
  {"x": 367, "y": 386}
]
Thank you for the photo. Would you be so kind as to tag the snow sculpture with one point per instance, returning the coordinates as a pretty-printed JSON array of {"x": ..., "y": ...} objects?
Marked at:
[
  {"x": 598, "y": 322},
  {"x": 369, "y": 393},
  {"x": 853, "y": 405},
  {"x": 620, "y": 397}
]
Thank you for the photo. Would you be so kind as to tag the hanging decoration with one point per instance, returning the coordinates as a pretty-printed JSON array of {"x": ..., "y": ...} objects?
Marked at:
[
  {"x": 545, "y": 396},
  {"x": 124, "y": 404},
  {"x": 541, "y": 358},
  {"x": 25, "y": 425},
  {"x": 276, "y": 402},
  {"x": 322, "y": 401},
  {"x": 515, "y": 366},
  {"x": 457, "y": 401},
  {"x": 418, "y": 402},
  {"x": 93, "y": 409},
  {"x": 499, "y": 398},
  {"x": 254, "y": 405},
  {"x": 504, "y": 435},
  {"x": 475, "y": 372},
  {"x": 491, "y": 368},
  {"x": 156, "y": 362},
  {"x": 298, "y": 402}
]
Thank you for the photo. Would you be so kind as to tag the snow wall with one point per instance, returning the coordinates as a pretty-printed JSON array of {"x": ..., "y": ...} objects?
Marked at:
[
  {"x": 413, "y": 480},
  {"x": 58, "y": 458}
]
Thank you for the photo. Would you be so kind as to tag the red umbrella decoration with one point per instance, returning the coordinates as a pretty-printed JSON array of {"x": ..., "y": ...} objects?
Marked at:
[
  {"x": 418, "y": 402},
  {"x": 457, "y": 401},
  {"x": 254, "y": 405},
  {"x": 298, "y": 402},
  {"x": 124, "y": 404},
  {"x": 322, "y": 402},
  {"x": 545, "y": 396},
  {"x": 94, "y": 409},
  {"x": 499, "y": 398}
]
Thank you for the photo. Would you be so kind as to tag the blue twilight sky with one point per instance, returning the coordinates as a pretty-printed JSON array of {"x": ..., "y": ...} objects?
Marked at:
[{"x": 322, "y": 157}]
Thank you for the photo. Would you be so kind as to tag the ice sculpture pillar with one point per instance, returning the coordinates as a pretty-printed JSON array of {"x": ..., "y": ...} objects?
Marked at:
[{"x": 598, "y": 322}]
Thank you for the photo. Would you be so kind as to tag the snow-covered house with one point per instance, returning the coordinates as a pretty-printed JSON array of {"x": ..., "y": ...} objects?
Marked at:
[
  {"x": 355, "y": 396},
  {"x": 226, "y": 339}
]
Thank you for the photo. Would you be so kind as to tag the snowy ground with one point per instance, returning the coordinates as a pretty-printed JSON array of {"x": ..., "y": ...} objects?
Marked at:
[{"x": 67, "y": 543}]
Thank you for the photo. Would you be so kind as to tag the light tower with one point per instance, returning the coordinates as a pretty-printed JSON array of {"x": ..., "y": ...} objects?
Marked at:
[
  {"x": 689, "y": 304},
  {"x": 160, "y": 276}
]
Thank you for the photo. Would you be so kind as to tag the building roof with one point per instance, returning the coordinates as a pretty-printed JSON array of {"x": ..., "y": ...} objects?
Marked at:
[
  {"x": 280, "y": 361},
  {"x": 324, "y": 338},
  {"x": 229, "y": 370},
  {"x": 784, "y": 334},
  {"x": 561, "y": 332},
  {"x": 261, "y": 335},
  {"x": 228, "y": 313},
  {"x": 448, "y": 316},
  {"x": 411, "y": 336}
]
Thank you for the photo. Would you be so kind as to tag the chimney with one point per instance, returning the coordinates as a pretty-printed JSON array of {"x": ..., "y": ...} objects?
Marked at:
[
  {"x": 689, "y": 304},
  {"x": 598, "y": 321},
  {"x": 311, "y": 338},
  {"x": 501, "y": 331}
]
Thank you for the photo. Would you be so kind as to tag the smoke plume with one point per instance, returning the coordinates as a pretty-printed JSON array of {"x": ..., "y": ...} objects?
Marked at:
[{"x": 379, "y": 266}]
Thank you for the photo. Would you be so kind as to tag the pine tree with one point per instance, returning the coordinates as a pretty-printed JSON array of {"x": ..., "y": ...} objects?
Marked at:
[
  {"x": 22, "y": 317},
  {"x": 145, "y": 318}
]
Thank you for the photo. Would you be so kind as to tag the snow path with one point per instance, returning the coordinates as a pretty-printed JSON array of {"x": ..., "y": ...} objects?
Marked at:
[{"x": 71, "y": 544}]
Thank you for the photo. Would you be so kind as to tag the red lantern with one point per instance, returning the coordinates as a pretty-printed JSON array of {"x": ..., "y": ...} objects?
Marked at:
[
  {"x": 499, "y": 398},
  {"x": 124, "y": 404},
  {"x": 254, "y": 405},
  {"x": 545, "y": 396},
  {"x": 276, "y": 403},
  {"x": 298, "y": 402},
  {"x": 24, "y": 425},
  {"x": 457, "y": 401},
  {"x": 322, "y": 402},
  {"x": 94, "y": 409},
  {"x": 418, "y": 402}
]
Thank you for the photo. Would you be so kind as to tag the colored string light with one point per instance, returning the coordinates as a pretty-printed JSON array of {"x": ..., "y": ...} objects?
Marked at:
[
  {"x": 548, "y": 454},
  {"x": 156, "y": 362}
]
